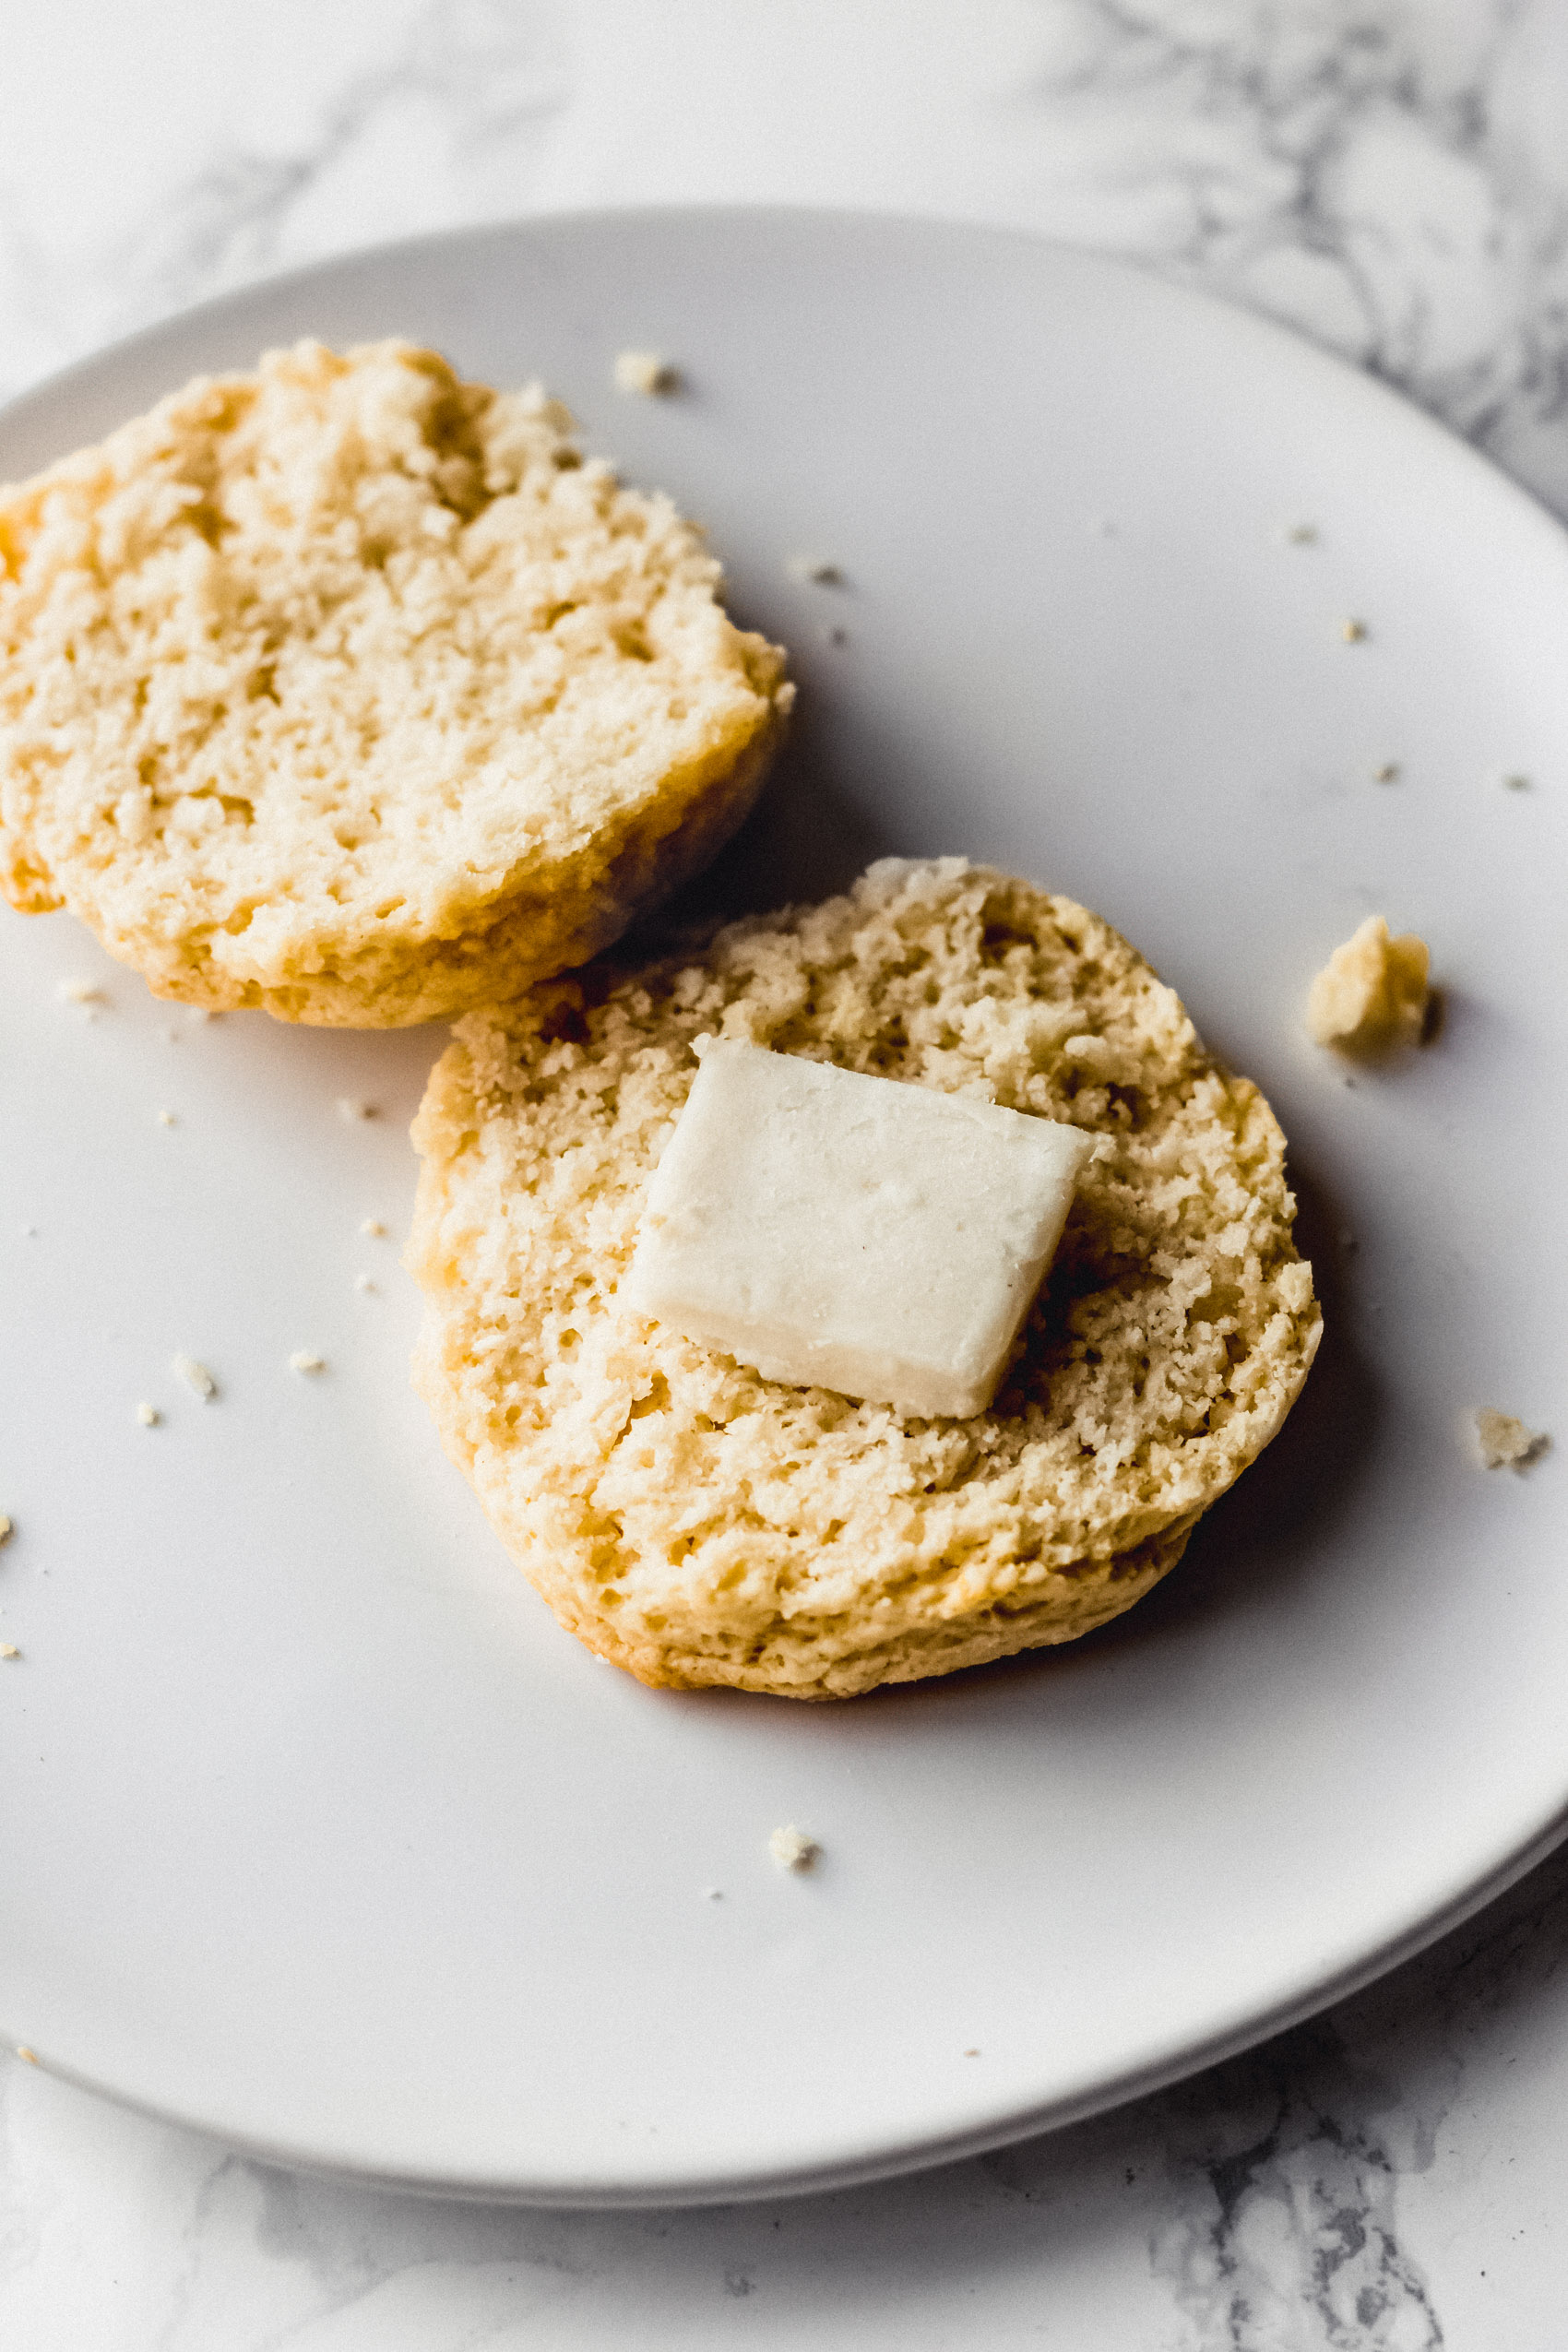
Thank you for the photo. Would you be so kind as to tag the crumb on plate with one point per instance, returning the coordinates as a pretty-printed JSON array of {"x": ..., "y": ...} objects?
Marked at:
[
  {"x": 351, "y": 1106},
  {"x": 304, "y": 1361},
  {"x": 1507, "y": 1444},
  {"x": 374, "y": 1228},
  {"x": 1387, "y": 774},
  {"x": 819, "y": 570},
  {"x": 196, "y": 1376},
  {"x": 10, "y": 1649},
  {"x": 792, "y": 1849},
  {"x": 1303, "y": 534},
  {"x": 1373, "y": 993},
  {"x": 1353, "y": 631},
  {"x": 645, "y": 371},
  {"x": 148, "y": 1416}
]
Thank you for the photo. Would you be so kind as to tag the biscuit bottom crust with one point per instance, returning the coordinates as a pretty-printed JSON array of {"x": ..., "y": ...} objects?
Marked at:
[{"x": 697, "y": 1524}]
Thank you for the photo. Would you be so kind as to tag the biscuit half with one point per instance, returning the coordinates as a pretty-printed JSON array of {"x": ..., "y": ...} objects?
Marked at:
[
  {"x": 699, "y": 1523},
  {"x": 345, "y": 688}
]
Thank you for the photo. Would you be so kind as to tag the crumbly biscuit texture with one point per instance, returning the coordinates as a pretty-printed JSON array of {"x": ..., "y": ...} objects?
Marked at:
[
  {"x": 347, "y": 689},
  {"x": 699, "y": 1523}
]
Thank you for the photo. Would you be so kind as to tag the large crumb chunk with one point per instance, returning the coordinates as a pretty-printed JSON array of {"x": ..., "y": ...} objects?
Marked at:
[
  {"x": 1372, "y": 991},
  {"x": 1507, "y": 1444},
  {"x": 348, "y": 689}
]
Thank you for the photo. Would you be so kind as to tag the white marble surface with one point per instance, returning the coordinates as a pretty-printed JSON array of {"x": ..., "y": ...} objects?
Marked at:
[{"x": 1391, "y": 175}]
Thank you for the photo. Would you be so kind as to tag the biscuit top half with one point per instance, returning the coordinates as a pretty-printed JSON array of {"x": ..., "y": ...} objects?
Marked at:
[{"x": 343, "y": 643}]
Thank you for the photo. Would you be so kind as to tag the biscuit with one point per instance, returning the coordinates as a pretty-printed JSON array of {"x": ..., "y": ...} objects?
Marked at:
[
  {"x": 344, "y": 688},
  {"x": 697, "y": 1524}
]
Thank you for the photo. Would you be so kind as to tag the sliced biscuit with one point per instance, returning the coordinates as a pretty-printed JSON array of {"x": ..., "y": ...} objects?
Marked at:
[
  {"x": 699, "y": 1523},
  {"x": 345, "y": 689}
]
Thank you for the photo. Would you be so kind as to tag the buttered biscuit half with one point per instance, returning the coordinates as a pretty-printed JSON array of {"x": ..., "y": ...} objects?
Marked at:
[
  {"x": 347, "y": 689},
  {"x": 698, "y": 1520}
]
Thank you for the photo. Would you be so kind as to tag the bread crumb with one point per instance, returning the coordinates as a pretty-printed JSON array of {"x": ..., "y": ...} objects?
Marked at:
[
  {"x": 196, "y": 1376},
  {"x": 820, "y": 571},
  {"x": 1303, "y": 534},
  {"x": 792, "y": 1849},
  {"x": 1507, "y": 1444},
  {"x": 349, "y": 1106},
  {"x": 302, "y": 1361},
  {"x": 1372, "y": 993},
  {"x": 8, "y": 1528},
  {"x": 1353, "y": 631},
  {"x": 82, "y": 993},
  {"x": 971, "y": 2053},
  {"x": 10, "y": 1649},
  {"x": 167, "y": 1118},
  {"x": 363, "y": 1282},
  {"x": 1516, "y": 783},
  {"x": 713, "y": 1895},
  {"x": 28, "y": 2057},
  {"x": 645, "y": 371},
  {"x": 148, "y": 1416},
  {"x": 1387, "y": 774},
  {"x": 373, "y": 1227}
]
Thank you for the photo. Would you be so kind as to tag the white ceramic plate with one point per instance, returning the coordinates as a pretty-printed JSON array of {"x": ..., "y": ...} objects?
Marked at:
[{"x": 318, "y": 1833}]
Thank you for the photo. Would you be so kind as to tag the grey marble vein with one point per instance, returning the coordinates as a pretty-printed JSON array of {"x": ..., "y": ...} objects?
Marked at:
[{"x": 1392, "y": 180}]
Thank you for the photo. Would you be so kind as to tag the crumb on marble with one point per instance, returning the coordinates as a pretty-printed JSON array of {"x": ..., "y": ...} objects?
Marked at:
[
  {"x": 1353, "y": 631},
  {"x": 645, "y": 371},
  {"x": 10, "y": 1649},
  {"x": 1373, "y": 993},
  {"x": 363, "y": 1282},
  {"x": 792, "y": 1849},
  {"x": 82, "y": 993},
  {"x": 167, "y": 1118},
  {"x": 374, "y": 1228},
  {"x": 1507, "y": 1444},
  {"x": 304, "y": 1359},
  {"x": 28, "y": 2057},
  {"x": 196, "y": 1376},
  {"x": 971, "y": 2053},
  {"x": 148, "y": 1416}
]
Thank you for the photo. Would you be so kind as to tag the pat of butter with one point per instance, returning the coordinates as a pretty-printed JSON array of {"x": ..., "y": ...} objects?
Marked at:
[{"x": 848, "y": 1232}]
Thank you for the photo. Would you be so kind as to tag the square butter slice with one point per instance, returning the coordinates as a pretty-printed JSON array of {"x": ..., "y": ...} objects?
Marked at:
[{"x": 840, "y": 1232}]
